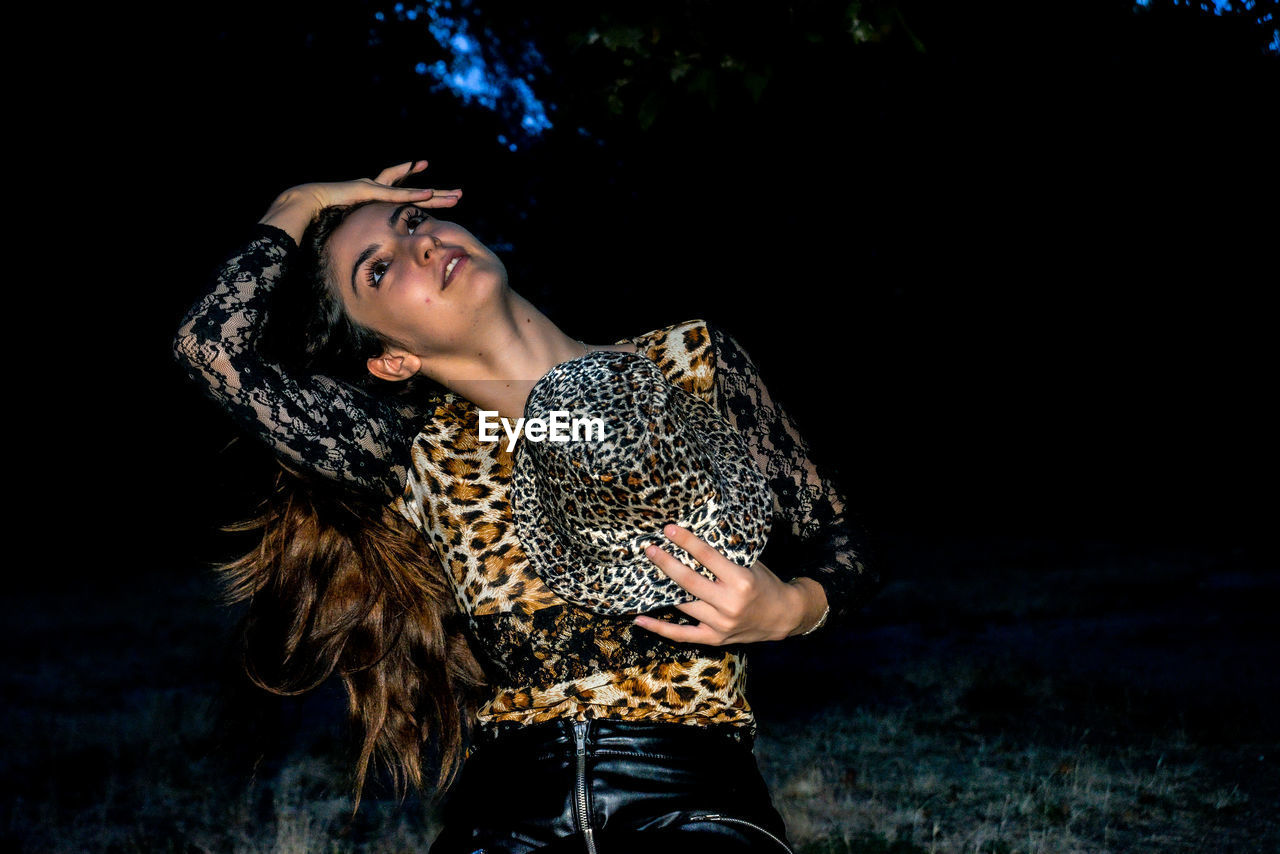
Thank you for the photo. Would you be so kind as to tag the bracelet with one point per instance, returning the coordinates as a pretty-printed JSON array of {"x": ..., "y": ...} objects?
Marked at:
[{"x": 821, "y": 622}]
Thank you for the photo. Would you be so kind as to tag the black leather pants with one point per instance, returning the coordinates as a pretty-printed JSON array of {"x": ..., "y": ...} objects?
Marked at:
[{"x": 611, "y": 787}]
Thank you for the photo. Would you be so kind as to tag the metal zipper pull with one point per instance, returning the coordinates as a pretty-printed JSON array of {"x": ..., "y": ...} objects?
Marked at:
[{"x": 584, "y": 818}]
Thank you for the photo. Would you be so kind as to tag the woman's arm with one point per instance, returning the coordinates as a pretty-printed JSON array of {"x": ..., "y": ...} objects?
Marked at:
[
  {"x": 312, "y": 422},
  {"x": 827, "y": 572},
  {"x": 807, "y": 497}
]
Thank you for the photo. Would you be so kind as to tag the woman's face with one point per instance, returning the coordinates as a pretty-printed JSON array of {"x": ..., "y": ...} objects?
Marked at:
[{"x": 421, "y": 282}]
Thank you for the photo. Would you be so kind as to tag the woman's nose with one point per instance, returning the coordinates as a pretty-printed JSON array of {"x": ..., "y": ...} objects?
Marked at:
[{"x": 424, "y": 245}]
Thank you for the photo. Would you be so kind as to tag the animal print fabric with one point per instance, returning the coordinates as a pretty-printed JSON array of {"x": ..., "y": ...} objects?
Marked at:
[
  {"x": 585, "y": 509},
  {"x": 546, "y": 657}
]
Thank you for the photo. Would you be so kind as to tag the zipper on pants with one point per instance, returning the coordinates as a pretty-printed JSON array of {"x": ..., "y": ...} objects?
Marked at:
[
  {"x": 580, "y": 786},
  {"x": 715, "y": 816}
]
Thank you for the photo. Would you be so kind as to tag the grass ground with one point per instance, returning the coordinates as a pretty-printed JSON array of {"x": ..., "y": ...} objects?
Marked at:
[{"x": 997, "y": 698}]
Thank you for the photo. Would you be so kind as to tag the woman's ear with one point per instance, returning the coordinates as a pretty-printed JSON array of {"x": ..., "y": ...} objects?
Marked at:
[{"x": 394, "y": 364}]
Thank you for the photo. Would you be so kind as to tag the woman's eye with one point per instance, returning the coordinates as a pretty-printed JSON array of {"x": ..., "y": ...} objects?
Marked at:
[
  {"x": 376, "y": 271},
  {"x": 414, "y": 220}
]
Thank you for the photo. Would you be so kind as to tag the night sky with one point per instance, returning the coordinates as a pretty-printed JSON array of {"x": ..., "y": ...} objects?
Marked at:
[{"x": 1010, "y": 285}]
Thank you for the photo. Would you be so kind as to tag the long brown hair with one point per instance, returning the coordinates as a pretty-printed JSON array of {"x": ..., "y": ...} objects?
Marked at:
[{"x": 341, "y": 584}]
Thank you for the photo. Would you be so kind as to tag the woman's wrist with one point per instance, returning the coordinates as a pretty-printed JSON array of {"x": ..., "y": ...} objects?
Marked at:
[
  {"x": 814, "y": 608},
  {"x": 292, "y": 212}
]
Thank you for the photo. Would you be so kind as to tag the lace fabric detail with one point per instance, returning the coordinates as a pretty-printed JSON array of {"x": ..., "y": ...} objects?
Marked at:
[
  {"x": 313, "y": 423},
  {"x": 805, "y": 495}
]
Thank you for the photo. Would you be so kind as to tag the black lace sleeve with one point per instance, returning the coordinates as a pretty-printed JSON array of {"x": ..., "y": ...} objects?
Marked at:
[
  {"x": 805, "y": 497},
  {"x": 313, "y": 422}
]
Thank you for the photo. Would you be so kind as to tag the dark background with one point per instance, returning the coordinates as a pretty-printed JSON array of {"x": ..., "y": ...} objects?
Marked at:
[
  {"x": 1014, "y": 287},
  {"x": 1011, "y": 284}
]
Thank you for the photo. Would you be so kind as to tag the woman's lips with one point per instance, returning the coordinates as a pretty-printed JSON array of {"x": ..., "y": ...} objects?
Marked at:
[{"x": 453, "y": 266}]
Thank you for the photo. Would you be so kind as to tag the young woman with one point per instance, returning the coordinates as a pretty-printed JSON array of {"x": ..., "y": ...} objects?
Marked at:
[{"x": 389, "y": 556}]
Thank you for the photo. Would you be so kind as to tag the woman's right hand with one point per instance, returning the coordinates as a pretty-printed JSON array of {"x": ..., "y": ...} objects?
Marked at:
[{"x": 294, "y": 209}]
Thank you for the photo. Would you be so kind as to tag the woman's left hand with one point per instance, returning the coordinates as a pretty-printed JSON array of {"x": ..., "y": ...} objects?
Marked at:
[{"x": 741, "y": 606}]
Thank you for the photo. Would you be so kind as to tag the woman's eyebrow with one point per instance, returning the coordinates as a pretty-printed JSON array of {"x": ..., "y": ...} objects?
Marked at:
[
  {"x": 395, "y": 214},
  {"x": 364, "y": 256},
  {"x": 374, "y": 247}
]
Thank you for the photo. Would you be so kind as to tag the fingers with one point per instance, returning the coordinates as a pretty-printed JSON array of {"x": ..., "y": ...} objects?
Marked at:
[
  {"x": 384, "y": 189},
  {"x": 670, "y": 630},
  {"x": 674, "y": 631},
  {"x": 696, "y": 547},
  {"x": 367, "y": 190},
  {"x": 423, "y": 196},
  {"x": 427, "y": 198},
  {"x": 701, "y": 551},
  {"x": 394, "y": 174},
  {"x": 689, "y": 579},
  {"x": 705, "y": 613},
  {"x": 441, "y": 199},
  {"x": 390, "y": 188}
]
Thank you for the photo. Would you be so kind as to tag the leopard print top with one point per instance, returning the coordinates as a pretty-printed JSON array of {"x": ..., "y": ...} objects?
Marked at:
[{"x": 547, "y": 658}]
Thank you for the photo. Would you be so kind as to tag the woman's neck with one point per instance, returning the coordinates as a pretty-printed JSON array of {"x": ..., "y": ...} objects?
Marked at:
[{"x": 520, "y": 349}]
